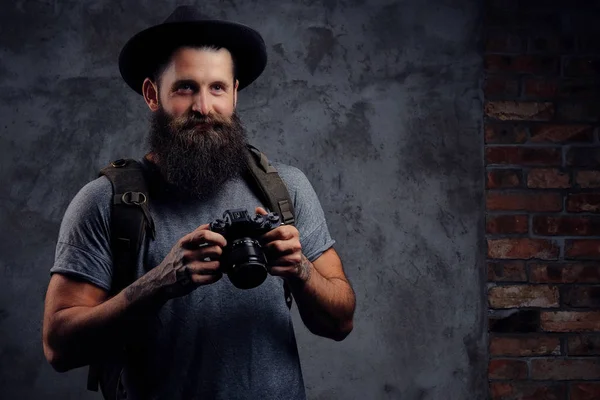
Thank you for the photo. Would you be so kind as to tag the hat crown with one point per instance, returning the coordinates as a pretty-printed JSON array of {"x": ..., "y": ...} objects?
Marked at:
[{"x": 185, "y": 14}]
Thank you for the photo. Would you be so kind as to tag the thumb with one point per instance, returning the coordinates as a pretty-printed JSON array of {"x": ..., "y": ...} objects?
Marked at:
[{"x": 261, "y": 211}]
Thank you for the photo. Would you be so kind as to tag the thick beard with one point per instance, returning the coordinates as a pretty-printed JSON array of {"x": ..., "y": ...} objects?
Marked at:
[{"x": 197, "y": 160}]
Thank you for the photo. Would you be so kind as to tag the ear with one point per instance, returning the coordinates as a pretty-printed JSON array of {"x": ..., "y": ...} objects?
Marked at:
[
  {"x": 150, "y": 93},
  {"x": 235, "y": 89}
]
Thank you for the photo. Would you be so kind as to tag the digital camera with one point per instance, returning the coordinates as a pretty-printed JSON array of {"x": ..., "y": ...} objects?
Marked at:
[{"x": 243, "y": 259}]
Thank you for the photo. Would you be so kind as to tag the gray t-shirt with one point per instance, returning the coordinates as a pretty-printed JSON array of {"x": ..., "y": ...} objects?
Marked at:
[{"x": 218, "y": 342}]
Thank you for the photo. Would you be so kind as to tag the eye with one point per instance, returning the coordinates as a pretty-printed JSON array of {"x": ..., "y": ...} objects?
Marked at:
[
  {"x": 218, "y": 87},
  {"x": 184, "y": 87}
]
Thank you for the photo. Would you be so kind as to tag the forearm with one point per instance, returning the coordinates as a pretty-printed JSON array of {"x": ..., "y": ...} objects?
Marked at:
[
  {"x": 75, "y": 336},
  {"x": 326, "y": 305}
]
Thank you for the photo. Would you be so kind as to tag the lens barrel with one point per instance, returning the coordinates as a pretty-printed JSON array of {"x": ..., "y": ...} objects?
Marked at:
[{"x": 247, "y": 264}]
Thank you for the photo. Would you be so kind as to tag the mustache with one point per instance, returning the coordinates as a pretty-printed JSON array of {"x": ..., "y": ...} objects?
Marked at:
[{"x": 190, "y": 120}]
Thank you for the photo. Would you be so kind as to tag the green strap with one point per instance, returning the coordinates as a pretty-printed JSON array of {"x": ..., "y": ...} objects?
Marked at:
[
  {"x": 274, "y": 192},
  {"x": 270, "y": 184}
]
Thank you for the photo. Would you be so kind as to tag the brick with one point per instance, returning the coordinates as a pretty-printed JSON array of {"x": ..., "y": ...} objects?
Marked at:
[
  {"x": 585, "y": 391},
  {"x": 501, "y": 86},
  {"x": 521, "y": 111},
  {"x": 542, "y": 202},
  {"x": 578, "y": 89},
  {"x": 555, "y": 133},
  {"x": 503, "y": 133},
  {"x": 523, "y": 155},
  {"x": 536, "y": 20},
  {"x": 583, "y": 157},
  {"x": 503, "y": 178},
  {"x": 570, "y": 321},
  {"x": 522, "y": 248},
  {"x": 507, "y": 369},
  {"x": 579, "y": 111},
  {"x": 524, "y": 346},
  {"x": 522, "y": 296},
  {"x": 584, "y": 22},
  {"x": 588, "y": 44},
  {"x": 560, "y": 369},
  {"x": 583, "y": 202},
  {"x": 528, "y": 64},
  {"x": 548, "y": 178},
  {"x": 584, "y": 345},
  {"x": 540, "y": 87},
  {"x": 514, "y": 321},
  {"x": 582, "y": 66},
  {"x": 507, "y": 224},
  {"x": 501, "y": 41},
  {"x": 580, "y": 296},
  {"x": 587, "y": 179},
  {"x": 502, "y": 6},
  {"x": 520, "y": 390},
  {"x": 546, "y": 43},
  {"x": 506, "y": 271},
  {"x": 582, "y": 249},
  {"x": 566, "y": 226},
  {"x": 588, "y": 272}
]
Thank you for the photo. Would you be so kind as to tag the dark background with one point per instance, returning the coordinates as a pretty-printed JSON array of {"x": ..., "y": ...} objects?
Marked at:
[{"x": 377, "y": 102}]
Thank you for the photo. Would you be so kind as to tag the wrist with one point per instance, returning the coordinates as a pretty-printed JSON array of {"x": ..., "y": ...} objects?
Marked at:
[
  {"x": 145, "y": 290},
  {"x": 304, "y": 272}
]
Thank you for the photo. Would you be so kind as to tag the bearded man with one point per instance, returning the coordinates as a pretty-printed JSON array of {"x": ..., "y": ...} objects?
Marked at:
[{"x": 195, "y": 335}]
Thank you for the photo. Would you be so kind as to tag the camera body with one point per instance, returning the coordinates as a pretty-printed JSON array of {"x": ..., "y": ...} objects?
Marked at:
[{"x": 243, "y": 259}]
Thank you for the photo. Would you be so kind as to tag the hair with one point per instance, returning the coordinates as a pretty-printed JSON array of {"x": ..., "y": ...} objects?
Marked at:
[{"x": 162, "y": 66}]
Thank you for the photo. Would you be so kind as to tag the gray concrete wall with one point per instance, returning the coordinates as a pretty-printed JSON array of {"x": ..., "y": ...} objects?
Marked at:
[{"x": 378, "y": 102}]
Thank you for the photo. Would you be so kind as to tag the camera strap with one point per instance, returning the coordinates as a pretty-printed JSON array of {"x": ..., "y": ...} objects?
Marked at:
[
  {"x": 274, "y": 192},
  {"x": 271, "y": 186}
]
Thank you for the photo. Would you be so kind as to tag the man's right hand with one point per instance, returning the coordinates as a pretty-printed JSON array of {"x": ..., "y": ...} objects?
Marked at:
[{"x": 193, "y": 261}]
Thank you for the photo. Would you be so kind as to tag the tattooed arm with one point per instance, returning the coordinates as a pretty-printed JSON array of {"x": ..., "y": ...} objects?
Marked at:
[
  {"x": 325, "y": 299},
  {"x": 80, "y": 319}
]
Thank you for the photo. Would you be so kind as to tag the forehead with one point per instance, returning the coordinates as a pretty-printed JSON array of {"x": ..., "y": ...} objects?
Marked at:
[{"x": 196, "y": 63}]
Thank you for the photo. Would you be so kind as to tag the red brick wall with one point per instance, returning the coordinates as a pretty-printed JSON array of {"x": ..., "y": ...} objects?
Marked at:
[{"x": 542, "y": 154}]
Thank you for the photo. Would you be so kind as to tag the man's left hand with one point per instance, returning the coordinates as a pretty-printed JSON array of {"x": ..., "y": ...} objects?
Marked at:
[{"x": 284, "y": 252}]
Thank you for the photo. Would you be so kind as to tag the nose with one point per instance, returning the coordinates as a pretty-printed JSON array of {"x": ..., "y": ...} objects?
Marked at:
[{"x": 201, "y": 103}]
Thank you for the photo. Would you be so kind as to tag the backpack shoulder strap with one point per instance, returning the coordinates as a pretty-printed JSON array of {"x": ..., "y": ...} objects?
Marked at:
[
  {"x": 130, "y": 217},
  {"x": 274, "y": 192},
  {"x": 273, "y": 189}
]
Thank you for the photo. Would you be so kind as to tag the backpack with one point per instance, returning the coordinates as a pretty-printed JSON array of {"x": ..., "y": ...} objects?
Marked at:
[{"x": 130, "y": 218}]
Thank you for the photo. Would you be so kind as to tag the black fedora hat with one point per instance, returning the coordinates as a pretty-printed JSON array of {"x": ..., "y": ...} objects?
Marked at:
[{"x": 148, "y": 49}]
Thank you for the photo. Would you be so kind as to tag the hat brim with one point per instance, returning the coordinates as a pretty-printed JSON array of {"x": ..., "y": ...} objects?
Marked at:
[{"x": 145, "y": 51}]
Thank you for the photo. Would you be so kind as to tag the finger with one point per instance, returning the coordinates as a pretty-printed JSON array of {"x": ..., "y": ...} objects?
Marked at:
[
  {"x": 204, "y": 268},
  {"x": 203, "y": 252},
  {"x": 261, "y": 211},
  {"x": 290, "y": 260},
  {"x": 202, "y": 237},
  {"x": 283, "y": 247},
  {"x": 282, "y": 270},
  {"x": 206, "y": 279},
  {"x": 283, "y": 232}
]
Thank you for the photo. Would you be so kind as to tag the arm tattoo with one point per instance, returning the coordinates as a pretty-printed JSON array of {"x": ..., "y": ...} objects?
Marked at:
[
  {"x": 143, "y": 288},
  {"x": 305, "y": 269}
]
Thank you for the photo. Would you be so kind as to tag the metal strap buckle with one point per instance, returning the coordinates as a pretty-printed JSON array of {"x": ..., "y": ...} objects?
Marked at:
[{"x": 135, "y": 198}]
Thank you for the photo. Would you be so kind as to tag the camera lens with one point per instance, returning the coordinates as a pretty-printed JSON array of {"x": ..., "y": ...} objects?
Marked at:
[{"x": 246, "y": 263}]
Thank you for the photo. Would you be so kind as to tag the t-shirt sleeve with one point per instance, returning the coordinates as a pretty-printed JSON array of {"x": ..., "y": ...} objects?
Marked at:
[
  {"x": 83, "y": 246},
  {"x": 310, "y": 218}
]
